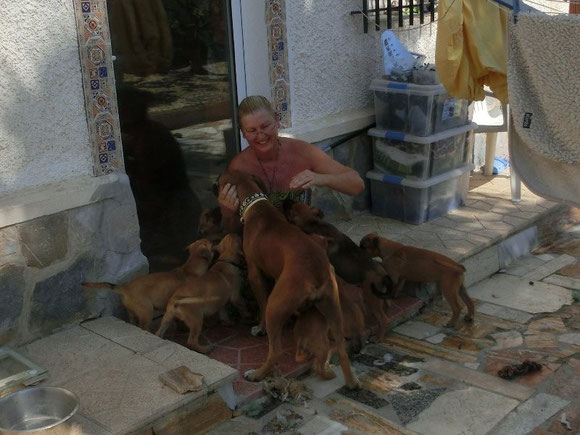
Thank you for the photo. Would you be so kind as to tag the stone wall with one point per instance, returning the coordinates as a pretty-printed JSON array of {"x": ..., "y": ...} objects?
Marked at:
[{"x": 44, "y": 260}]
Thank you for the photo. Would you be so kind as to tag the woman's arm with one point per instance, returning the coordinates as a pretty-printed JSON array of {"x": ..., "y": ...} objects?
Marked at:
[{"x": 327, "y": 172}]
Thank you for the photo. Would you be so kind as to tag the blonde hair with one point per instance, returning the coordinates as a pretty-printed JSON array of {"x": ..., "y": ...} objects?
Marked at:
[{"x": 252, "y": 104}]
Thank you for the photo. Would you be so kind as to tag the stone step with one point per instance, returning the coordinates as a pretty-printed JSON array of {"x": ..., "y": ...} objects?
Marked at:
[{"x": 114, "y": 367}]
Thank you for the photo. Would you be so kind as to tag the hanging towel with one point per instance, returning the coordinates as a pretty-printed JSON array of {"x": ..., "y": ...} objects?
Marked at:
[
  {"x": 544, "y": 88},
  {"x": 470, "y": 48}
]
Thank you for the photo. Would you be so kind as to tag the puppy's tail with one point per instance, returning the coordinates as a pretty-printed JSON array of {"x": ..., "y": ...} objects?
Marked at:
[
  {"x": 197, "y": 300},
  {"x": 114, "y": 287}
]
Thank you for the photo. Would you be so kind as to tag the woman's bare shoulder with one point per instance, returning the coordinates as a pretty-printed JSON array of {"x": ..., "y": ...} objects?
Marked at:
[
  {"x": 240, "y": 161},
  {"x": 296, "y": 145}
]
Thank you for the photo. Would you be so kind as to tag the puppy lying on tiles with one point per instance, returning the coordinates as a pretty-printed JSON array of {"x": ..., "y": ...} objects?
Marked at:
[
  {"x": 421, "y": 265},
  {"x": 145, "y": 294},
  {"x": 208, "y": 294},
  {"x": 350, "y": 262}
]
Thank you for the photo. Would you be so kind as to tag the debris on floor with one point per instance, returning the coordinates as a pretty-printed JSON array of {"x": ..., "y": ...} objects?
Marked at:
[
  {"x": 513, "y": 370},
  {"x": 565, "y": 421},
  {"x": 181, "y": 380},
  {"x": 286, "y": 390},
  {"x": 284, "y": 421},
  {"x": 387, "y": 358}
]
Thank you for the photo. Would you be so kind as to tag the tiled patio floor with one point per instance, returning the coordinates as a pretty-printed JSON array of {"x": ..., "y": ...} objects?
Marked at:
[
  {"x": 236, "y": 347},
  {"x": 488, "y": 217}
]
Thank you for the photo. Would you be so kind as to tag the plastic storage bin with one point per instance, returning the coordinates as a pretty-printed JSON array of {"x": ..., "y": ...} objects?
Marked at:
[
  {"x": 420, "y": 110},
  {"x": 414, "y": 201},
  {"x": 420, "y": 157}
]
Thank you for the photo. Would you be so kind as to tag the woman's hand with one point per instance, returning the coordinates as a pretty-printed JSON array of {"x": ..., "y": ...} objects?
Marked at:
[
  {"x": 228, "y": 198},
  {"x": 307, "y": 179}
]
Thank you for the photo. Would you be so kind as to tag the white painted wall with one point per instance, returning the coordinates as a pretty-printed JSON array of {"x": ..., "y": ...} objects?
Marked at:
[
  {"x": 332, "y": 62},
  {"x": 43, "y": 129}
]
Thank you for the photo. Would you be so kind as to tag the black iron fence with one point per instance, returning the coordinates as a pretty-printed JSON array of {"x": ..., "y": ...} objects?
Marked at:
[{"x": 399, "y": 9}]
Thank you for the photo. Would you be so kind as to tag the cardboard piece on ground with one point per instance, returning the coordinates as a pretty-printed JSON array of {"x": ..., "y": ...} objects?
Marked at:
[{"x": 181, "y": 380}]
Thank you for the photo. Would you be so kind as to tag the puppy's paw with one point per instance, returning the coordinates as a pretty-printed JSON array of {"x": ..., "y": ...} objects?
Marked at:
[
  {"x": 355, "y": 385},
  {"x": 258, "y": 330},
  {"x": 249, "y": 375},
  {"x": 451, "y": 324},
  {"x": 468, "y": 318}
]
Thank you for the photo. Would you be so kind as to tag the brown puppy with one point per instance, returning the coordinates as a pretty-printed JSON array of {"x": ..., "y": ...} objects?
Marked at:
[
  {"x": 210, "y": 224},
  {"x": 276, "y": 249},
  {"x": 350, "y": 262},
  {"x": 421, "y": 265},
  {"x": 313, "y": 336},
  {"x": 145, "y": 294},
  {"x": 208, "y": 294}
]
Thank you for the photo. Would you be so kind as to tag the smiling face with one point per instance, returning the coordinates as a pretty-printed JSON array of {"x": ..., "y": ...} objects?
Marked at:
[{"x": 260, "y": 128}]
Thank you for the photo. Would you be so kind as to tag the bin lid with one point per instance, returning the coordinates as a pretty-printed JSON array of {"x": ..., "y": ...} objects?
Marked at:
[
  {"x": 404, "y": 137},
  {"x": 385, "y": 85},
  {"x": 419, "y": 184}
]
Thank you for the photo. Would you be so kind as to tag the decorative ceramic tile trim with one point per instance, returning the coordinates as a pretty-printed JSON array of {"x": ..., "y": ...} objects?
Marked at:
[
  {"x": 99, "y": 85},
  {"x": 278, "y": 58}
]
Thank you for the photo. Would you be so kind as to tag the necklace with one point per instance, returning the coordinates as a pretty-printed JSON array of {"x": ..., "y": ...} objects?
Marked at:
[{"x": 270, "y": 180}]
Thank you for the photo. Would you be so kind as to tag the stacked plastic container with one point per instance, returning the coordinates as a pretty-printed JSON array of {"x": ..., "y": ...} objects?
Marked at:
[{"x": 420, "y": 156}]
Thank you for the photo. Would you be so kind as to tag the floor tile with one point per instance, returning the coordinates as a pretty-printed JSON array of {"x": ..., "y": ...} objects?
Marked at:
[
  {"x": 436, "y": 339},
  {"x": 415, "y": 329},
  {"x": 172, "y": 355},
  {"x": 503, "y": 313},
  {"x": 530, "y": 414},
  {"x": 379, "y": 381},
  {"x": 544, "y": 340},
  {"x": 572, "y": 414},
  {"x": 421, "y": 348},
  {"x": 409, "y": 405},
  {"x": 123, "y": 333},
  {"x": 472, "y": 411},
  {"x": 507, "y": 339},
  {"x": 466, "y": 344},
  {"x": 482, "y": 380},
  {"x": 563, "y": 281},
  {"x": 552, "y": 324},
  {"x": 322, "y": 425},
  {"x": 513, "y": 292},
  {"x": 550, "y": 267},
  {"x": 363, "y": 396},
  {"x": 571, "y": 338},
  {"x": 360, "y": 419},
  {"x": 566, "y": 383},
  {"x": 321, "y": 388}
]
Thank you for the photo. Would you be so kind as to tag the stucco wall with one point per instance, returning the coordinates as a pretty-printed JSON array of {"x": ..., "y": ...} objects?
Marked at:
[
  {"x": 332, "y": 62},
  {"x": 43, "y": 128}
]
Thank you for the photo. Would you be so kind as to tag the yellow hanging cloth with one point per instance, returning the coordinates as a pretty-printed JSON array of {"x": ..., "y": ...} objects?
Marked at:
[{"x": 470, "y": 50}]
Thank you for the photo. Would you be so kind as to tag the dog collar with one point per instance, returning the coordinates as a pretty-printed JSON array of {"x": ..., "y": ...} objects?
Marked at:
[{"x": 249, "y": 202}]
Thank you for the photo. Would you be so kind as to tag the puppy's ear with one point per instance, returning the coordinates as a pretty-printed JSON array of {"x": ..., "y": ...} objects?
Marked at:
[{"x": 370, "y": 241}]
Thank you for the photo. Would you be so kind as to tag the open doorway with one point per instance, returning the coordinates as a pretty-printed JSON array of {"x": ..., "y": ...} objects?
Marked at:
[{"x": 176, "y": 94}]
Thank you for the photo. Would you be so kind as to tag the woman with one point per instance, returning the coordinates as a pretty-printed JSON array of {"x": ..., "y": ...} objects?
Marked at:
[{"x": 288, "y": 167}]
